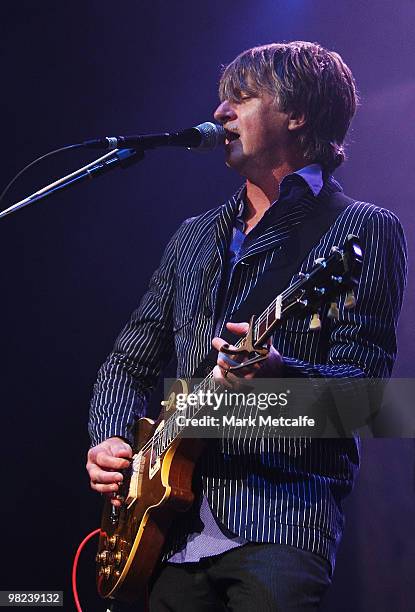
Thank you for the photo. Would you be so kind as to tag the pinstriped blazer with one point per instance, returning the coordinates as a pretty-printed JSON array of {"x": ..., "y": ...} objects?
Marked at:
[{"x": 273, "y": 490}]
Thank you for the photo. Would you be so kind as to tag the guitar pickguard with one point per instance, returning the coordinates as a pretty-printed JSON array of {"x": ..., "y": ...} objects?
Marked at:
[{"x": 136, "y": 480}]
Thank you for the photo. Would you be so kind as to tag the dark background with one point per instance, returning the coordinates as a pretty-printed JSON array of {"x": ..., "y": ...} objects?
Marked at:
[{"x": 73, "y": 267}]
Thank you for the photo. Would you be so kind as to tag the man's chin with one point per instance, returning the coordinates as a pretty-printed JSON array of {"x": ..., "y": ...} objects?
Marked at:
[{"x": 236, "y": 162}]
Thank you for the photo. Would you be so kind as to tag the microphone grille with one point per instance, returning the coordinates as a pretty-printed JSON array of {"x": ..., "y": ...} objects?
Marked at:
[{"x": 213, "y": 135}]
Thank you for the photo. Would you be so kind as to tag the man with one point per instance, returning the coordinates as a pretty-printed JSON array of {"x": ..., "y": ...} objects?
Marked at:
[{"x": 264, "y": 532}]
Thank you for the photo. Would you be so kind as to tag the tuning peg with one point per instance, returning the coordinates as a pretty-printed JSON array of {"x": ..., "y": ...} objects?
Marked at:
[
  {"x": 333, "y": 312},
  {"x": 315, "y": 322},
  {"x": 350, "y": 301}
]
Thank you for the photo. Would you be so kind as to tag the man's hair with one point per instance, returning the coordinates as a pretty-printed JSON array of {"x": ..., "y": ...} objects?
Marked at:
[{"x": 304, "y": 78}]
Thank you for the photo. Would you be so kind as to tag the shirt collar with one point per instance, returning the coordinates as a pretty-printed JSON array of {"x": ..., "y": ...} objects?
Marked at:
[{"x": 311, "y": 174}]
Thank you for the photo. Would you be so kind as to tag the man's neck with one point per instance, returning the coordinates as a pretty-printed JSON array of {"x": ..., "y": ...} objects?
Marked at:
[{"x": 263, "y": 191}]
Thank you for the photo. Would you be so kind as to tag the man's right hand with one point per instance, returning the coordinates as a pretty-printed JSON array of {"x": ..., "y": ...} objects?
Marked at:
[{"x": 103, "y": 465}]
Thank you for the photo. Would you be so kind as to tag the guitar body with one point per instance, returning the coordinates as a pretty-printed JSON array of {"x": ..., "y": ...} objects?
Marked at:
[{"x": 132, "y": 537}]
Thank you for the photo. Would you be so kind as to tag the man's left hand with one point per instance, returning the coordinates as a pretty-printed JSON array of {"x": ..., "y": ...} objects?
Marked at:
[{"x": 269, "y": 367}]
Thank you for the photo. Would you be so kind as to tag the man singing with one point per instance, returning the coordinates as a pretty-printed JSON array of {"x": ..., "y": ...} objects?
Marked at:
[{"x": 265, "y": 528}]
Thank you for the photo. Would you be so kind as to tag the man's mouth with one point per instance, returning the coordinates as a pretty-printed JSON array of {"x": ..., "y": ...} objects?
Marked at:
[{"x": 230, "y": 136}]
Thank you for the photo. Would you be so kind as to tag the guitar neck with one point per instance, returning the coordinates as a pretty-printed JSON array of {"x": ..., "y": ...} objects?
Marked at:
[{"x": 339, "y": 272}]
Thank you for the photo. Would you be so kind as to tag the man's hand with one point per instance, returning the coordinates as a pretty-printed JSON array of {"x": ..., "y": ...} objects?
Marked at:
[
  {"x": 104, "y": 461},
  {"x": 233, "y": 380}
]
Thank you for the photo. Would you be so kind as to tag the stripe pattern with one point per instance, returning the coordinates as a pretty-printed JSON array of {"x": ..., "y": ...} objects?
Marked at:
[{"x": 280, "y": 490}]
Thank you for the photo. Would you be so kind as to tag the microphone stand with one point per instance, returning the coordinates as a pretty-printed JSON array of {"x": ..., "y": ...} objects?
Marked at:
[{"x": 117, "y": 158}]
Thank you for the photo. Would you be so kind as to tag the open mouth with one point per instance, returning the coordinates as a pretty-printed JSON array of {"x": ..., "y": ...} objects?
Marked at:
[{"x": 230, "y": 136}]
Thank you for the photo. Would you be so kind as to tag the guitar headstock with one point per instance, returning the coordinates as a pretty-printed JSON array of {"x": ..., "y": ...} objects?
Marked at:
[{"x": 325, "y": 283}]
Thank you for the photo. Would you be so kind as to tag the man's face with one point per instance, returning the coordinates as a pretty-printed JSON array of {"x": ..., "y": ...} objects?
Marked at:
[{"x": 257, "y": 133}]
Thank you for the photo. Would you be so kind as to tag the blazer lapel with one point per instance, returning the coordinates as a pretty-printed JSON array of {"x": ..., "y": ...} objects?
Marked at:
[
  {"x": 214, "y": 249},
  {"x": 286, "y": 217},
  {"x": 276, "y": 235}
]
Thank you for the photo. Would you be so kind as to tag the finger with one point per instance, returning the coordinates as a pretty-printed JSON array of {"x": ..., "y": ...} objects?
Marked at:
[
  {"x": 226, "y": 359},
  {"x": 227, "y": 363},
  {"x": 104, "y": 488},
  {"x": 218, "y": 343},
  {"x": 241, "y": 329},
  {"x": 225, "y": 367},
  {"x": 101, "y": 476},
  {"x": 104, "y": 460},
  {"x": 121, "y": 452},
  {"x": 120, "y": 449}
]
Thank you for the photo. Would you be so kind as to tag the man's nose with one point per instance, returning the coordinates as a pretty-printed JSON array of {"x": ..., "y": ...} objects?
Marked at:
[{"x": 225, "y": 112}]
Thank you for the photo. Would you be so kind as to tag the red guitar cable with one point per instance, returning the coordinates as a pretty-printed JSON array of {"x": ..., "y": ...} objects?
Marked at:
[{"x": 75, "y": 567}]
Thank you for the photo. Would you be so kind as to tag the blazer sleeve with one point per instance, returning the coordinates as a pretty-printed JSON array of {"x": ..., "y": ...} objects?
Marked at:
[
  {"x": 363, "y": 340},
  {"x": 130, "y": 373}
]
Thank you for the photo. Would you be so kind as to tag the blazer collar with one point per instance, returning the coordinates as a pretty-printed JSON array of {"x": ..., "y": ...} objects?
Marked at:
[{"x": 282, "y": 218}]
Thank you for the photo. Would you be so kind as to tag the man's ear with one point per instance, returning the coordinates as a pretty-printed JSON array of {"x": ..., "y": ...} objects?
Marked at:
[{"x": 296, "y": 121}]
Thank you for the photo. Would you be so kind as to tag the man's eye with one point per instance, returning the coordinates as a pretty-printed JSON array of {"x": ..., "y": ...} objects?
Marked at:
[{"x": 244, "y": 98}]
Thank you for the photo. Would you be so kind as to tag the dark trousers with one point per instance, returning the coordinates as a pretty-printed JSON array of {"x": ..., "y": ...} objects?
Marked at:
[{"x": 251, "y": 578}]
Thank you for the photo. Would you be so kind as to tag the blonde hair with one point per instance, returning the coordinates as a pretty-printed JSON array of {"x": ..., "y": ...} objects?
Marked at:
[{"x": 306, "y": 79}]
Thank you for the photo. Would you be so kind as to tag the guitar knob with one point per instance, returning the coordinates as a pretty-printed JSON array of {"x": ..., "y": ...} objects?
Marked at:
[
  {"x": 105, "y": 572},
  {"x": 100, "y": 557},
  {"x": 333, "y": 312},
  {"x": 118, "y": 557},
  {"x": 350, "y": 301},
  {"x": 104, "y": 557},
  {"x": 315, "y": 322}
]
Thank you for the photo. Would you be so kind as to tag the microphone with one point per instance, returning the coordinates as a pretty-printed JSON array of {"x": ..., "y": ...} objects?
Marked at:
[{"x": 205, "y": 136}]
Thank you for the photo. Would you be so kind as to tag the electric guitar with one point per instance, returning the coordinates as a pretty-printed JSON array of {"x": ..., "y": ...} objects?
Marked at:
[{"x": 158, "y": 484}]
